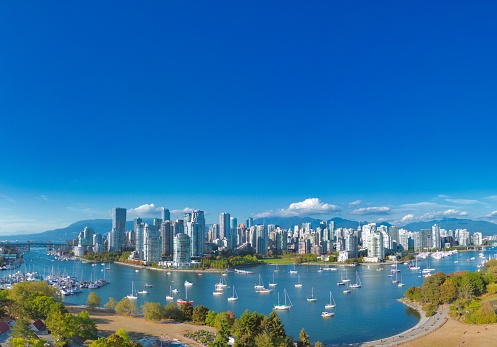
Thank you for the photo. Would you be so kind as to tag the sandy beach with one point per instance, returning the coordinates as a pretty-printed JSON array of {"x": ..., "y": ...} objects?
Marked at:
[
  {"x": 139, "y": 328},
  {"x": 439, "y": 330}
]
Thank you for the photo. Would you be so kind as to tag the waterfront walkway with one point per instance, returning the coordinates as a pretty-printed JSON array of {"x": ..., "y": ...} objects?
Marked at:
[{"x": 425, "y": 326}]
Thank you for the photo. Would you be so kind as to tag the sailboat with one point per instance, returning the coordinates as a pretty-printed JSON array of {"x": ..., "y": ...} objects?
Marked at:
[
  {"x": 170, "y": 296},
  {"x": 283, "y": 307},
  {"x": 218, "y": 290},
  {"x": 396, "y": 280},
  {"x": 222, "y": 283},
  {"x": 260, "y": 285},
  {"x": 234, "y": 297},
  {"x": 400, "y": 283},
  {"x": 345, "y": 280},
  {"x": 311, "y": 298},
  {"x": 293, "y": 271},
  {"x": 277, "y": 269},
  {"x": 357, "y": 283},
  {"x": 332, "y": 303},
  {"x": 347, "y": 291},
  {"x": 326, "y": 314},
  {"x": 416, "y": 267},
  {"x": 273, "y": 284},
  {"x": 299, "y": 283},
  {"x": 184, "y": 301},
  {"x": 132, "y": 296}
]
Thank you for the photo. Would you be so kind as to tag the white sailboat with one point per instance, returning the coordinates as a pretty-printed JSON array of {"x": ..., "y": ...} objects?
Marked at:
[
  {"x": 299, "y": 283},
  {"x": 416, "y": 267},
  {"x": 332, "y": 303},
  {"x": 346, "y": 279},
  {"x": 396, "y": 280},
  {"x": 170, "y": 296},
  {"x": 401, "y": 284},
  {"x": 260, "y": 285},
  {"x": 326, "y": 314},
  {"x": 273, "y": 284},
  {"x": 132, "y": 296},
  {"x": 222, "y": 283},
  {"x": 347, "y": 291},
  {"x": 283, "y": 307},
  {"x": 234, "y": 297},
  {"x": 357, "y": 283},
  {"x": 277, "y": 269},
  {"x": 293, "y": 271},
  {"x": 311, "y": 298}
]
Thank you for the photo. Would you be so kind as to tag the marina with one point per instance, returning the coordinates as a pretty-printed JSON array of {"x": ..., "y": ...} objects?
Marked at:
[{"x": 369, "y": 314}]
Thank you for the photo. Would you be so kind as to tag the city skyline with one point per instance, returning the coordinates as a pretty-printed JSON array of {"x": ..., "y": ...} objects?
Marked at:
[{"x": 364, "y": 111}]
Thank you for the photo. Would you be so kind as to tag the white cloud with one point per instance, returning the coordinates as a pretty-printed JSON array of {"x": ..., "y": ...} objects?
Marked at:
[
  {"x": 372, "y": 210},
  {"x": 185, "y": 210},
  {"x": 441, "y": 214},
  {"x": 144, "y": 210},
  {"x": 492, "y": 214},
  {"x": 463, "y": 201},
  {"x": 310, "y": 206},
  {"x": 407, "y": 218},
  {"x": 355, "y": 203}
]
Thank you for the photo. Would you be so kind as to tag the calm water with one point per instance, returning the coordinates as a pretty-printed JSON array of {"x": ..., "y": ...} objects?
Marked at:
[{"x": 368, "y": 313}]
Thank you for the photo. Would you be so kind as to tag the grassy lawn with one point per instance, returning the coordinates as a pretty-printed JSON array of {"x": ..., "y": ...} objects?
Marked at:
[{"x": 290, "y": 261}]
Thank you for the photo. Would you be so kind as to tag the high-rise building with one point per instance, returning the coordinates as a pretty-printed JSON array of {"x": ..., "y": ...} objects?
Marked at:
[
  {"x": 261, "y": 240},
  {"x": 167, "y": 236},
  {"x": 152, "y": 245},
  {"x": 195, "y": 229},
  {"x": 117, "y": 239},
  {"x": 435, "y": 236},
  {"x": 181, "y": 253},
  {"x": 375, "y": 246},
  {"x": 179, "y": 227},
  {"x": 224, "y": 225},
  {"x": 166, "y": 215},
  {"x": 233, "y": 240}
]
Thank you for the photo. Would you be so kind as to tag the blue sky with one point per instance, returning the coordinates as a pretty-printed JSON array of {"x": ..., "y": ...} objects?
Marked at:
[{"x": 360, "y": 109}]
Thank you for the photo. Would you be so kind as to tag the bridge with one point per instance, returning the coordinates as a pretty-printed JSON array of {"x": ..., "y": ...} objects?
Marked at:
[{"x": 26, "y": 245}]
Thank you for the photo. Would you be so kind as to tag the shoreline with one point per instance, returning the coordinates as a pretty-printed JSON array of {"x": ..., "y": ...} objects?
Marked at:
[{"x": 166, "y": 269}]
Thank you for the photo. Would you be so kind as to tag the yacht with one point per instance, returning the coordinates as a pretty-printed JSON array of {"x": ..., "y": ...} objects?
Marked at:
[{"x": 283, "y": 307}]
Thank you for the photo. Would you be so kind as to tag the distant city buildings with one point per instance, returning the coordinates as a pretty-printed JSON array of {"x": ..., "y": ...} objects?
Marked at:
[{"x": 178, "y": 242}]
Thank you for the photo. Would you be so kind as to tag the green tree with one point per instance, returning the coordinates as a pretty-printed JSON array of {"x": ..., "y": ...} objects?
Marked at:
[
  {"x": 171, "y": 311},
  {"x": 430, "y": 290},
  {"x": 93, "y": 300},
  {"x": 471, "y": 285},
  {"x": 110, "y": 305},
  {"x": 210, "y": 318},
  {"x": 20, "y": 294},
  {"x": 223, "y": 331},
  {"x": 21, "y": 329},
  {"x": 86, "y": 327},
  {"x": 448, "y": 291},
  {"x": 263, "y": 340},
  {"x": 62, "y": 326},
  {"x": 153, "y": 311},
  {"x": 126, "y": 307},
  {"x": 304, "y": 339},
  {"x": 318, "y": 344},
  {"x": 26, "y": 342},
  {"x": 276, "y": 328},
  {"x": 200, "y": 314},
  {"x": 186, "y": 311},
  {"x": 38, "y": 305}
]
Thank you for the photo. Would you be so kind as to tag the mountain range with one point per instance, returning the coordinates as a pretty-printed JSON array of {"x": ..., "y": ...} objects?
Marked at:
[{"x": 102, "y": 226}]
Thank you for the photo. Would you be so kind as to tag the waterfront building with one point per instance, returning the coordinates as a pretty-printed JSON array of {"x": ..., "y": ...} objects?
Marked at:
[
  {"x": 224, "y": 226},
  {"x": 181, "y": 252},
  {"x": 85, "y": 238},
  {"x": 139, "y": 238},
  {"x": 366, "y": 232},
  {"x": 477, "y": 239},
  {"x": 195, "y": 229},
  {"x": 393, "y": 231},
  {"x": 98, "y": 243},
  {"x": 167, "y": 236},
  {"x": 152, "y": 245},
  {"x": 117, "y": 240},
  {"x": 403, "y": 237},
  {"x": 435, "y": 236},
  {"x": 261, "y": 240},
  {"x": 426, "y": 241},
  {"x": 233, "y": 240},
  {"x": 376, "y": 248}
]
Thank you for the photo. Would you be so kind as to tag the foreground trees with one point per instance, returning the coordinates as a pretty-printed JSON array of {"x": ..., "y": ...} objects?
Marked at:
[{"x": 462, "y": 290}]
